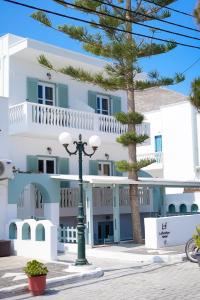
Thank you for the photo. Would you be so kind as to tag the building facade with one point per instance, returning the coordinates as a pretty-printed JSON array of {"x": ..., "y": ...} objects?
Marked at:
[{"x": 37, "y": 105}]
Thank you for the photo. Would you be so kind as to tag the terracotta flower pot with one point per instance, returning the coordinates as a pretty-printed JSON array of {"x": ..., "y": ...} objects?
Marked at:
[{"x": 37, "y": 284}]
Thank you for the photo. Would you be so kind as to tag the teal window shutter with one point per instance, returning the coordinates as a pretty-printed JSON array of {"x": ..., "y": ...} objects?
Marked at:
[
  {"x": 63, "y": 168},
  {"x": 115, "y": 171},
  {"x": 92, "y": 99},
  {"x": 116, "y": 104},
  {"x": 32, "y": 163},
  {"x": 62, "y": 93},
  {"x": 32, "y": 89},
  {"x": 93, "y": 167}
]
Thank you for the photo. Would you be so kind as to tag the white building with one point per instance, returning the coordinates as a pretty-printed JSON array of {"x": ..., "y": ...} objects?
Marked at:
[{"x": 37, "y": 105}]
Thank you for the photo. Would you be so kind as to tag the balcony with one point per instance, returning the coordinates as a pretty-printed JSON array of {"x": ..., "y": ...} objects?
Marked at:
[
  {"x": 103, "y": 201},
  {"x": 156, "y": 168},
  {"x": 44, "y": 120}
]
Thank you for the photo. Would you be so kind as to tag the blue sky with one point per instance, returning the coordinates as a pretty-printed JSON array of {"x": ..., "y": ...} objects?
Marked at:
[{"x": 16, "y": 20}]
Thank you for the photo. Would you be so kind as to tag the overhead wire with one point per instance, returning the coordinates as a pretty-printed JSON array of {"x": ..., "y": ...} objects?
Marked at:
[
  {"x": 100, "y": 25},
  {"x": 129, "y": 21},
  {"x": 148, "y": 16},
  {"x": 169, "y": 8}
]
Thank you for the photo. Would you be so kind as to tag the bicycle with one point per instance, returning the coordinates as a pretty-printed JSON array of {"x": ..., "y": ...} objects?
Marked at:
[{"x": 191, "y": 249}]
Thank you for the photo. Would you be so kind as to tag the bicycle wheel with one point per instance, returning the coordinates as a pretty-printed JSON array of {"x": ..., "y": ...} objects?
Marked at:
[{"x": 191, "y": 250}]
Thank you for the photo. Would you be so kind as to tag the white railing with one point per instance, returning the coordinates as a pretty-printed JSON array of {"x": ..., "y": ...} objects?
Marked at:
[
  {"x": 157, "y": 156},
  {"x": 68, "y": 118},
  {"x": 17, "y": 113},
  {"x": 67, "y": 234},
  {"x": 103, "y": 197}
]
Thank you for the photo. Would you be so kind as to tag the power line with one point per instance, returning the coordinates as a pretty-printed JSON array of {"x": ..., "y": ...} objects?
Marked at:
[
  {"x": 126, "y": 20},
  {"x": 148, "y": 16},
  {"x": 99, "y": 25},
  {"x": 169, "y": 8},
  {"x": 190, "y": 66}
]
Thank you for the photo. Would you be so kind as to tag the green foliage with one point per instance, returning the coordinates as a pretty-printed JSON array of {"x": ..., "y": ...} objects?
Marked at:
[
  {"x": 129, "y": 118},
  {"x": 123, "y": 53},
  {"x": 35, "y": 268},
  {"x": 131, "y": 137},
  {"x": 124, "y": 166},
  {"x": 197, "y": 12},
  {"x": 45, "y": 62},
  {"x": 196, "y": 237},
  {"x": 195, "y": 93},
  {"x": 42, "y": 18}
]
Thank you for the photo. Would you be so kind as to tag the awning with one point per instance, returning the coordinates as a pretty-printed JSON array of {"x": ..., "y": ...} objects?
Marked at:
[{"x": 142, "y": 181}]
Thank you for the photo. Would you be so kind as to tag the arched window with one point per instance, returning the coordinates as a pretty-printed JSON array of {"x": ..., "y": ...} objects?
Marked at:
[
  {"x": 40, "y": 233},
  {"x": 194, "y": 207},
  {"x": 12, "y": 231},
  {"x": 26, "y": 232},
  {"x": 183, "y": 208},
  {"x": 171, "y": 209}
]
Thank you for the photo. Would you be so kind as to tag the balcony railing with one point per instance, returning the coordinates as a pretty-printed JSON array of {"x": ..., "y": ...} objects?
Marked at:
[
  {"x": 103, "y": 197},
  {"x": 32, "y": 114},
  {"x": 157, "y": 156}
]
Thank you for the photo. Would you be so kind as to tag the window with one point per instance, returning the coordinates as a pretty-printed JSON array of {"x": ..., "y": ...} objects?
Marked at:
[
  {"x": 46, "y": 165},
  {"x": 104, "y": 169},
  {"x": 103, "y": 105},
  {"x": 158, "y": 143},
  {"x": 46, "y": 93}
]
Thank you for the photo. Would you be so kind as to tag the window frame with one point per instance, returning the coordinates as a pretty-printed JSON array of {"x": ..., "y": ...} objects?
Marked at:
[
  {"x": 43, "y": 99},
  {"x": 102, "y": 163},
  {"x": 100, "y": 109},
  {"x": 45, "y": 159}
]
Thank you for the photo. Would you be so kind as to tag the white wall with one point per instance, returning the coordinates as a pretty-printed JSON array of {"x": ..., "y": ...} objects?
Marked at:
[
  {"x": 169, "y": 231},
  {"x": 4, "y": 139},
  {"x": 184, "y": 198},
  {"x": 33, "y": 146}
]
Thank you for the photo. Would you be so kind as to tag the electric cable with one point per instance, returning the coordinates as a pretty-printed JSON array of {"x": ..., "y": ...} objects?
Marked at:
[
  {"x": 100, "y": 25},
  {"x": 129, "y": 21},
  {"x": 148, "y": 16}
]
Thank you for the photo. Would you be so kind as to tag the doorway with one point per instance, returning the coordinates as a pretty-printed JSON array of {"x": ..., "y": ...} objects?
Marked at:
[{"x": 105, "y": 231}]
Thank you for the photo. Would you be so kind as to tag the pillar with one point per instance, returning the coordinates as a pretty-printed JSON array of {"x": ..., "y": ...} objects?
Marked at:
[
  {"x": 89, "y": 215},
  {"x": 52, "y": 213},
  {"x": 116, "y": 214}
]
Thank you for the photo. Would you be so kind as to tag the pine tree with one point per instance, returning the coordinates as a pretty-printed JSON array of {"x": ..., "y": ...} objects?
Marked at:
[
  {"x": 122, "y": 51},
  {"x": 197, "y": 12}
]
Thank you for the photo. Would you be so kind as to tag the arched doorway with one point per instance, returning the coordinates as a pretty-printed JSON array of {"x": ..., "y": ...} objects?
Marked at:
[
  {"x": 171, "y": 209},
  {"x": 194, "y": 208},
  {"x": 183, "y": 209},
  {"x": 30, "y": 203},
  {"x": 42, "y": 192}
]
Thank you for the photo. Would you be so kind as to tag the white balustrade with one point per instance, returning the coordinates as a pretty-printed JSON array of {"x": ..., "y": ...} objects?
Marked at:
[
  {"x": 17, "y": 113},
  {"x": 33, "y": 113},
  {"x": 103, "y": 197},
  {"x": 157, "y": 156}
]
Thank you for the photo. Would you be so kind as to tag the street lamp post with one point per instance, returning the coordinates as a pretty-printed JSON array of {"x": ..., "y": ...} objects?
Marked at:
[{"x": 94, "y": 141}]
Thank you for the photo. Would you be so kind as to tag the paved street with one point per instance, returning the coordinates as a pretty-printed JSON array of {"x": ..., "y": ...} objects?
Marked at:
[{"x": 126, "y": 280}]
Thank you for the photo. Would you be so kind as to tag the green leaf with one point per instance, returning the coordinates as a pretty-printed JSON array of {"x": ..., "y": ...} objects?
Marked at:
[{"x": 42, "y": 18}]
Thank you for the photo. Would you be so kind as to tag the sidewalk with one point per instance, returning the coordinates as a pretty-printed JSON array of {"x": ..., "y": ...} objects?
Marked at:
[
  {"x": 134, "y": 253},
  {"x": 14, "y": 281}
]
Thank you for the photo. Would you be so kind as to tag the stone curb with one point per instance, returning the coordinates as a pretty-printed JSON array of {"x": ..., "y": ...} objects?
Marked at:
[{"x": 56, "y": 281}]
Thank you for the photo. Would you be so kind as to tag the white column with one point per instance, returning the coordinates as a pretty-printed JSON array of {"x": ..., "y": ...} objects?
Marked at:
[
  {"x": 89, "y": 214},
  {"x": 116, "y": 214},
  {"x": 51, "y": 212}
]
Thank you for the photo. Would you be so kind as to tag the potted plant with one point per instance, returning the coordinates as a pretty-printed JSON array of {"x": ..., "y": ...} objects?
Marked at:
[
  {"x": 36, "y": 272},
  {"x": 196, "y": 238}
]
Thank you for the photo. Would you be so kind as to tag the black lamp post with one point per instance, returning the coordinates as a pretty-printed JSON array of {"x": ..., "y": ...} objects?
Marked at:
[{"x": 94, "y": 141}]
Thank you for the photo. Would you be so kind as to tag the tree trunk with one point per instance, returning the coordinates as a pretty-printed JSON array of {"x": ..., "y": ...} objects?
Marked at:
[{"x": 133, "y": 189}]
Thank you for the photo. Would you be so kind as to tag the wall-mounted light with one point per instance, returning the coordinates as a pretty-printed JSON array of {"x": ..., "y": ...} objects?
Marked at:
[
  {"x": 49, "y": 75},
  {"x": 107, "y": 156},
  {"x": 49, "y": 150}
]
